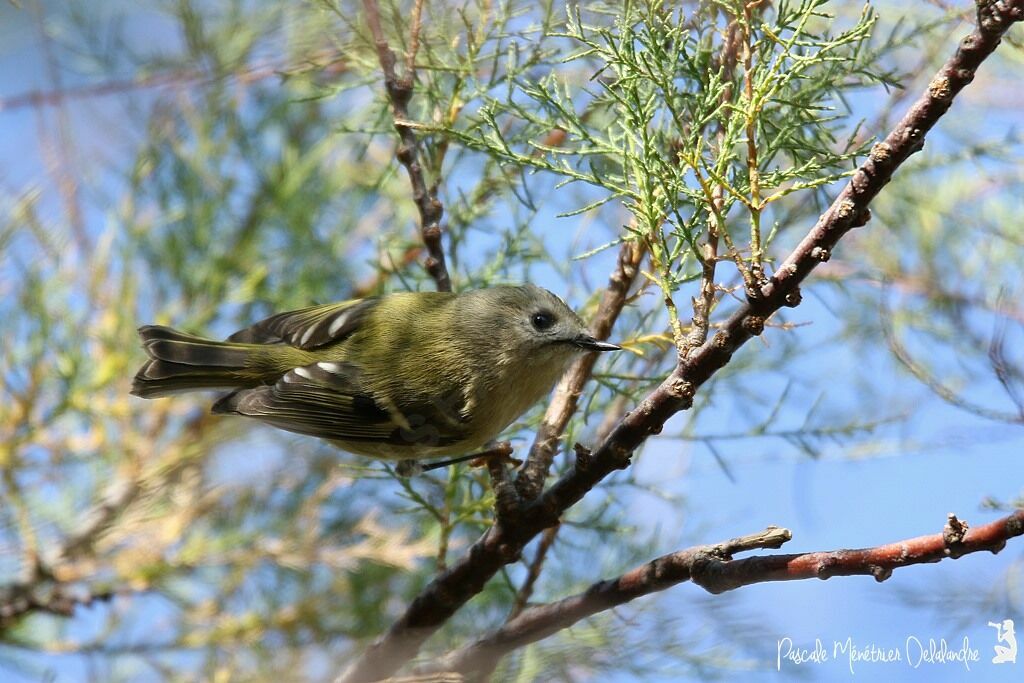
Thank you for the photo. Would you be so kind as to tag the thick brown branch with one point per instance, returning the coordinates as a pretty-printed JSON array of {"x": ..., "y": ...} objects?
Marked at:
[
  {"x": 713, "y": 568},
  {"x": 399, "y": 91},
  {"x": 501, "y": 545}
]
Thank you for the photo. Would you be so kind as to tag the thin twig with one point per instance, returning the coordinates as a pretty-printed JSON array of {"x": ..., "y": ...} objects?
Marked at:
[
  {"x": 753, "y": 167},
  {"x": 414, "y": 37},
  {"x": 20, "y": 599},
  {"x": 917, "y": 285},
  {"x": 933, "y": 383},
  {"x": 547, "y": 539},
  {"x": 371, "y": 284},
  {"x": 57, "y": 139},
  {"x": 399, "y": 91},
  {"x": 329, "y": 62},
  {"x": 704, "y": 302}
]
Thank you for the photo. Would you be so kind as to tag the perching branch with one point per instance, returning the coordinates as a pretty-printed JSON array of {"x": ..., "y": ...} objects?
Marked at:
[
  {"x": 501, "y": 545},
  {"x": 399, "y": 91},
  {"x": 712, "y": 568}
]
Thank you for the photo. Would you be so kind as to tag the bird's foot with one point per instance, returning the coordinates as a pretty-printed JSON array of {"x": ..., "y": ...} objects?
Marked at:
[{"x": 408, "y": 468}]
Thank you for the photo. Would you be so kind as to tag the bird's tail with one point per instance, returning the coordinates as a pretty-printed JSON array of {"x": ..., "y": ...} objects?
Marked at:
[{"x": 183, "y": 362}]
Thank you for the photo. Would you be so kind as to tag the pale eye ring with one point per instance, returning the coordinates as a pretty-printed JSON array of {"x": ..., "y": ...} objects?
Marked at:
[{"x": 542, "y": 320}]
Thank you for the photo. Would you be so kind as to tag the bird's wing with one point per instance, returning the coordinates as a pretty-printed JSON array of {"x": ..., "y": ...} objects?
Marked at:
[
  {"x": 308, "y": 328},
  {"x": 324, "y": 400}
]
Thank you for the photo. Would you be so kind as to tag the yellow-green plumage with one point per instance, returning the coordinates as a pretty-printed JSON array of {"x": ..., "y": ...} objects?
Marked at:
[{"x": 407, "y": 375}]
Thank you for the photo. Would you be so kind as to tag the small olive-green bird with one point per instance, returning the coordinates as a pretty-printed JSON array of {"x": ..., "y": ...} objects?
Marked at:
[{"x": 402, "y": 376}]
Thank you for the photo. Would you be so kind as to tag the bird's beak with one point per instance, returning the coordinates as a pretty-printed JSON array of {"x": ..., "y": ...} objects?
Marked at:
[{"x": 585, "y": 341}]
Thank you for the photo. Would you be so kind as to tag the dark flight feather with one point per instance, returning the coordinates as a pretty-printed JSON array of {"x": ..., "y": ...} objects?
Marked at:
[{"x": 308, "y": 328}]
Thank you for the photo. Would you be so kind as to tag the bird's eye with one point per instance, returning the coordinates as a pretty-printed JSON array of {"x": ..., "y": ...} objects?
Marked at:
[{"x": 542, "y": 320}]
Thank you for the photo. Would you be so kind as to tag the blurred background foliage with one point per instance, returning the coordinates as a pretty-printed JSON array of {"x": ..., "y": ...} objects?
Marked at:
[{"x": 203, "y": 164}]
